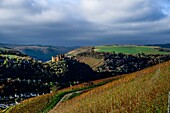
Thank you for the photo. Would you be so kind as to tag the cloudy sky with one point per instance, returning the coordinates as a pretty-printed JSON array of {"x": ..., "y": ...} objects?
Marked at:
[{"x": 84, "y": 22}]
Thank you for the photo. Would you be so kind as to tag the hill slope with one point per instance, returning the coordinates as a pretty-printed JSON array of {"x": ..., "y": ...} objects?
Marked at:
[
  {"x": 39, "y": 52},
  {"x": 143, "y": 91},
  {"x": 43, "y": 53},
  {"x": 161, "y": 45}
]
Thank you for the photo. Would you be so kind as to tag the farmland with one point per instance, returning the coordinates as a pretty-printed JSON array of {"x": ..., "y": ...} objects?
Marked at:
[
  {"x": 130, "y": 49},
  {"x": 142, "y": 91}
]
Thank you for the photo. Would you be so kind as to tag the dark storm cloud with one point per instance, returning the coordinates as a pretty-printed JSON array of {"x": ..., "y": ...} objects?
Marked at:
[{"x": 84, "y": 22}]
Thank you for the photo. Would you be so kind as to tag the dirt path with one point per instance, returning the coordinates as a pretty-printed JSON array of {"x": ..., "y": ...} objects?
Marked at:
[{"x": 65, "y": 98}]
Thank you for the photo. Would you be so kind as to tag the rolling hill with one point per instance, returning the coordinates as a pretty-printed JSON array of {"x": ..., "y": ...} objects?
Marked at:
[
  {"x": 39, "y": 52},
  {"x": 43, "y": 53},
  {"x": 161, "y": 45}
]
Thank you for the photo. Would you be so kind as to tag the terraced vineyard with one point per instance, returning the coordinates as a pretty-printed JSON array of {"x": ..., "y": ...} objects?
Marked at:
[{"x": 92, "y": 62}]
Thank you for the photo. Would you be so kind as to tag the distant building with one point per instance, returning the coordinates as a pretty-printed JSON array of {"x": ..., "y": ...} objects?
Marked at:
[{"x": 58, "y": 58}]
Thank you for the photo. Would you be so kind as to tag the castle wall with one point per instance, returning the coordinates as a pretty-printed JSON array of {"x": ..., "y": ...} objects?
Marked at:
[{"x": 58, "y": 58}]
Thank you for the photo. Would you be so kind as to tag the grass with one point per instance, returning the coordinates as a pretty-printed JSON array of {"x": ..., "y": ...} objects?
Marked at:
[
  {"x": 74, "y": 95},
  {"x": 1, "y": 48},
  {"x": 144, "y": 91},
  {"x": 10, "y": 56},
  {"x": 129, "y": 49},
  {"x": 31, "y": 106}
]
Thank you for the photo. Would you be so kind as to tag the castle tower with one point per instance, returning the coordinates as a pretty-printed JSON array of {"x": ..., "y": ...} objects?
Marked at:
[
  {"x": 58, "y": 58},
  {"x": 53, "y": 59}
]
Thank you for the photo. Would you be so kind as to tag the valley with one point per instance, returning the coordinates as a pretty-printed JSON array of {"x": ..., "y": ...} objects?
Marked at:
[
  {"x": 84, "y": 56},
  {"x": 72, "y": 74}
]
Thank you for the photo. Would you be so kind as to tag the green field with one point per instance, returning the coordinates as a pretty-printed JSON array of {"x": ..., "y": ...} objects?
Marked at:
[
  {"x": 3, "y": 48},
  {"x": 129, "y": 49},
  {"x": 10, "y": 56}
]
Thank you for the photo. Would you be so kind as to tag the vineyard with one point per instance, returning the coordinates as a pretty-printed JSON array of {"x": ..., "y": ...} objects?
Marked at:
[
  {"x": 142, "y": 91},
  {"x": 92, "y": 62}
]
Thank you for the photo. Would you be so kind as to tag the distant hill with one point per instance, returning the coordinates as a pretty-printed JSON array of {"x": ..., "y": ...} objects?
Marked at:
[
  {"x": 77, "y": 51},
  {"x": 161, "y": 45},
  {"x": 43, "y": 53},
  {"x": 8, "y": 45},
  {"x": 39, "y": 52}
]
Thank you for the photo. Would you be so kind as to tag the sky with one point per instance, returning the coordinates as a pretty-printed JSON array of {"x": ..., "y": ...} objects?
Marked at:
[{"x": 84, "y": 22}]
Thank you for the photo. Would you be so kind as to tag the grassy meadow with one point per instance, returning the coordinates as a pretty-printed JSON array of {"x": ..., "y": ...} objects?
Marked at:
[
  {"x": 144, "y": 91},
  {"x": 129, "y": 49}
]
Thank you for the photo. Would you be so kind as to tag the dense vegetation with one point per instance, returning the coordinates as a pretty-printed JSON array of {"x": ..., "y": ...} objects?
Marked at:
[
  {"x": 144, "y": 91},
  {"x": 117, "y": 64},
  {"x": 70, "y": 72},
  {"x": 22, "y": 77},
  {"x": 7, "y": 51}
]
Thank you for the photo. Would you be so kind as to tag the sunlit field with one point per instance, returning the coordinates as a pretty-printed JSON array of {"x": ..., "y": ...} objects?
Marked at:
[
  {"x": 128, "y": 49},
  {"x": 139, "y": 92}
]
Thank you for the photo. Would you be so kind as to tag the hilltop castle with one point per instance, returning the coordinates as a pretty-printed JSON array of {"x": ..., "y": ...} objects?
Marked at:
[{"x": 58, "y": 58}]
